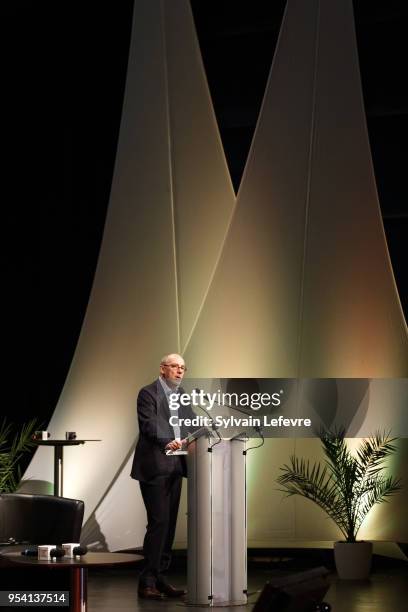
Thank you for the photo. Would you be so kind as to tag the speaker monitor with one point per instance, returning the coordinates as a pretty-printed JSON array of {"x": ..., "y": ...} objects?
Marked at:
[{"x": 302, "y": 592}]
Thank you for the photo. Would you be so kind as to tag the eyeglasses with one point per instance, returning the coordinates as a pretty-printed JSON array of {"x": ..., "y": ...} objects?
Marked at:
[{"x": 175, "y": 366}]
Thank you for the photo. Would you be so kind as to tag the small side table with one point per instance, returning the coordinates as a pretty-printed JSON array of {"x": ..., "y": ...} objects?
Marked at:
[
  {"x": 78, "y": 568},
  {"x": 59, "y": 459}
]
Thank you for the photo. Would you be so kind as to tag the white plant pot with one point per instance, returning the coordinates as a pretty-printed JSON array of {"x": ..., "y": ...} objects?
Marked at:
[{"x": 353, "y": 560}]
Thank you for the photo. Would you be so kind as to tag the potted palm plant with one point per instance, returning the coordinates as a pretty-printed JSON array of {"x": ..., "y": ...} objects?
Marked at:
[{"x": 346, "y": 487}]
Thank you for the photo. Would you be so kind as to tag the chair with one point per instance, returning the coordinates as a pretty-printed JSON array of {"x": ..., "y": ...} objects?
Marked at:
[{"x": 40, "y": 519}]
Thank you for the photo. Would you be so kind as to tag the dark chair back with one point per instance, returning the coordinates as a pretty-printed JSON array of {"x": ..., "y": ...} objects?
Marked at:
[{"x": 40, "y": 519}]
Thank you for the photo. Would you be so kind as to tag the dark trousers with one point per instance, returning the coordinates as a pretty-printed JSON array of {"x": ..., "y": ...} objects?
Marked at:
[{"x": 161, "y": 500}]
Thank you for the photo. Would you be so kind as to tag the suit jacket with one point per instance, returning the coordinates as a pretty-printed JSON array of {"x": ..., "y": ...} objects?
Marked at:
[{"x": 155, "y": 432}]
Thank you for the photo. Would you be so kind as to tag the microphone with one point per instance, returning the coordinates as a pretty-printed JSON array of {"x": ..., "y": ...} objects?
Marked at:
[
  {"x": 213, "y": 425},
  {"x": 259, "y": 430},
  {"x": 205, "y": 395},
  {"x": 32, "y": 551},
  {"x": 74, "y": 549}
]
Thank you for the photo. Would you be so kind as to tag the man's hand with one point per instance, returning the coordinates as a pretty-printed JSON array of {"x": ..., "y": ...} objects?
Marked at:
[{"x": 174, "y": 445}]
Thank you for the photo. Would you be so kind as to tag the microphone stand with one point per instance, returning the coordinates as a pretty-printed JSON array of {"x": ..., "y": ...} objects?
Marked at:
[
  {"x": 213, "y": 426},
  {"x": 258, "y": 428}
]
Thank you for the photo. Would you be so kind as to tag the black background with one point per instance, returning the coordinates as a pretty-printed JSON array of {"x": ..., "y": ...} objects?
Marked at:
[{"x": 64, "y": 69}]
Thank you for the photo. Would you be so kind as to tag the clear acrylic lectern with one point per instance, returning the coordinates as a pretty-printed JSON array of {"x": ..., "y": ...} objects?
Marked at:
[{"x": 216, "y": 525}]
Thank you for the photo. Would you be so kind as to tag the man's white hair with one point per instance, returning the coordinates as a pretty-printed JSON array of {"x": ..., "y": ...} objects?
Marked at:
[{"x": 166, "y": 358}]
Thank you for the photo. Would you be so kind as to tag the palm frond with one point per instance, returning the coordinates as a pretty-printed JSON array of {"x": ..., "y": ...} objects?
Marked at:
[
  {"x": 316, "y": 484},
  {"x": 346, "y": 487},
  {"x": 12, "y": 450},
  {"x": 373, "y": 452}
]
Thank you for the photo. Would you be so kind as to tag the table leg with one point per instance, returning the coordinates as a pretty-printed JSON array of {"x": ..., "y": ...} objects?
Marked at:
[
  {"x": 79, "y": 577},
  {"x": 58, "y": 469}
]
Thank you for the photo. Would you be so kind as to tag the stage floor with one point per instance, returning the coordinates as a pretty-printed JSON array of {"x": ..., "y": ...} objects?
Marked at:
[{"x": 386, "y": 591}]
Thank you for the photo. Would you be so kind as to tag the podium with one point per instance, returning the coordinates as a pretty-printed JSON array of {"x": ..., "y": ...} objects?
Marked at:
[{"x": 216, "y": 523}]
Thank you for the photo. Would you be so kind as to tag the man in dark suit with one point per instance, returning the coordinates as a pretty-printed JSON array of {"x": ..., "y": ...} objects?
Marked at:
[{"x": 160, "y": 475}]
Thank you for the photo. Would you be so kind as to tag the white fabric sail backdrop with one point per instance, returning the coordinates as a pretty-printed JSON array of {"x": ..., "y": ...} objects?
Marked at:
[
  {"x": 291, "y": 278},
  {"x": 171, "y": 201}
]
